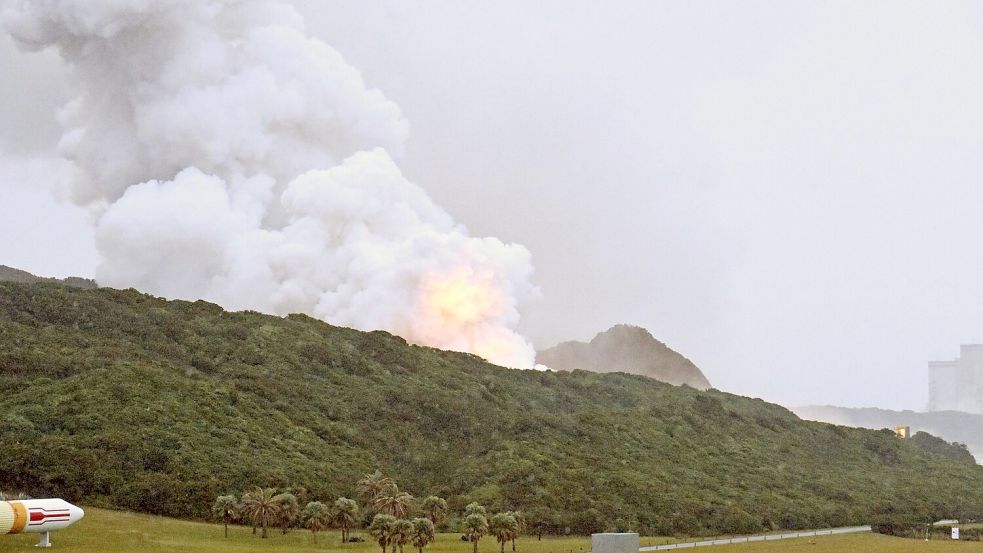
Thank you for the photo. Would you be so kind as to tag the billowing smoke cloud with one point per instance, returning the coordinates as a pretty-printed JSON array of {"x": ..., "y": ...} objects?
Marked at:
[{"x": 232, "y": 158}]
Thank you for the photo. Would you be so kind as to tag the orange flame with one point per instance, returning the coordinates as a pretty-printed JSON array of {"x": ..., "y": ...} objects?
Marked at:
[{"x": 461, "y": 298}]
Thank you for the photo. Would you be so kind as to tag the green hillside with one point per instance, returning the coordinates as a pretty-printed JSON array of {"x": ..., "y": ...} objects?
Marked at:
[{"x": 116, "y": 398}]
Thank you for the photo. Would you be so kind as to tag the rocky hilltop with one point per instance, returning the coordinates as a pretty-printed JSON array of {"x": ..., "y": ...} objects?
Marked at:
[{"x": 626, "y": 348}]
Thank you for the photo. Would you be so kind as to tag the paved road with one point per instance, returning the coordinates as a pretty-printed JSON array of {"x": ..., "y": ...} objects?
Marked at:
[{"x": 760, "y": 537}]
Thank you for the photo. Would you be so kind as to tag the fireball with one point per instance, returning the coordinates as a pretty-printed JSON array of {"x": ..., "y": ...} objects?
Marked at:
[
  {"x": 461, "y": 299},
  {"x": 463, "y": 310}
]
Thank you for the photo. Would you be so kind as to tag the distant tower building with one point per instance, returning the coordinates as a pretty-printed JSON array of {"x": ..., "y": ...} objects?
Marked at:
[
  {"x": 943, "y": 385},
  {"x": 956, "y": 385},
  {"x": 903, "y": 432}
]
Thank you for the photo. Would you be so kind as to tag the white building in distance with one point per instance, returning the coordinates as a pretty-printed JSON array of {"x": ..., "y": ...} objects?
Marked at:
[{"x": 957, "y": 385}]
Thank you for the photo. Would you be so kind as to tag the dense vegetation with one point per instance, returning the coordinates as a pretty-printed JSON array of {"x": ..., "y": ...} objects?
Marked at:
[
  {"x": 116, "y": 398},
  {"x": 898, "y": 526}
]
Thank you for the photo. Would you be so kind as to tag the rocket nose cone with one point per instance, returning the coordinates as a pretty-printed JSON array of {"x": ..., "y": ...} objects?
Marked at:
[{"x": 75, "y": 514}]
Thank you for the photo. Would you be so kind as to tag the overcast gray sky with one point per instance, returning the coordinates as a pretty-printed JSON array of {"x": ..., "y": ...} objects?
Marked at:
[{"x": 789, "y": 193}]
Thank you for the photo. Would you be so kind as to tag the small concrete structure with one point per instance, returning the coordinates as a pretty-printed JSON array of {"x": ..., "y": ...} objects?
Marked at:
[{"x": 614, "y": 543}]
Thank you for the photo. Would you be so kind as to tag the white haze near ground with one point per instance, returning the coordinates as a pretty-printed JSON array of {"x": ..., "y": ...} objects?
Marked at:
[{"x": 788, "y": 193}]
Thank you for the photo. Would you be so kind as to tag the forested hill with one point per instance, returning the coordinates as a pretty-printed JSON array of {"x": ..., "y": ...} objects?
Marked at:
[
  {"x": 121, "y": 399},
  {"x": 956, "y": 426},
  {"x": 10, "y": 274}
]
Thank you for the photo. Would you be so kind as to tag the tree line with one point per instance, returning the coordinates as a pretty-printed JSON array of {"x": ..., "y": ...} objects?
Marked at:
[{"x": 391, "y": 526}]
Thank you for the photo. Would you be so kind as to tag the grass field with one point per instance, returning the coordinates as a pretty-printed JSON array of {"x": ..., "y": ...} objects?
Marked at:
[{"x": 109, "y": 532}]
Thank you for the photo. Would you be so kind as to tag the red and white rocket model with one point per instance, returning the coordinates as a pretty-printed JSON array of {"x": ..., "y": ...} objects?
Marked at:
[{"x": 37, "y": 516}]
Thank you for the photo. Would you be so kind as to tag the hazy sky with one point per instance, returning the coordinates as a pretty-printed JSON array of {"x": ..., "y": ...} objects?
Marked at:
[{"x": 788, "y": 193}]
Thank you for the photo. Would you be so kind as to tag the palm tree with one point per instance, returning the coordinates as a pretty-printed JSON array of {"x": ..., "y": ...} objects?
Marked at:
[
  {"x": 345, "y": 515},
  {"x": 289, "y": 510},
  {"x": 520, "y": 525},
  {"x": 262, "y": 506},
  {"x": 382, "y": 529},
  {"x": 435, "y": 508},
  {"x": 423, "y": 533},
  {"x": 503, "y": 526},
  {"x": 402, "y": 534},
  {"x": 315, "y": 517},
  {"x": 225, "y": 507},
  {"x": 475, "y": 526},
  {"x": 474, "y": 508},
  {"x": 246, "y": 497},
  {"x": 372, "y": 485},
  {"x": 394, "y": 502}
]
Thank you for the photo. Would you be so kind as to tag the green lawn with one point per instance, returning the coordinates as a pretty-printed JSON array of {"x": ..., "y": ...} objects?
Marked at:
[
  {"x": 108, "y": 531},
  {"x": 850, "y": 543},
  {"x": 103, "y": 531}
]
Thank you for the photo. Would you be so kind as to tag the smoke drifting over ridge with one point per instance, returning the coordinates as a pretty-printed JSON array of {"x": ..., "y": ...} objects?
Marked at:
[{"x": 229, "y": 157}]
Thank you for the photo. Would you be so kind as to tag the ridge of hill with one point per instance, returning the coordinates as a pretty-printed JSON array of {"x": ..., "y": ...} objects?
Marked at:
[
  {"x": 625, "y": 348},
  {"x": 11, "y": 274},
  {"x": 955, "y": 426},
  {"x": 116, "y": 398}
]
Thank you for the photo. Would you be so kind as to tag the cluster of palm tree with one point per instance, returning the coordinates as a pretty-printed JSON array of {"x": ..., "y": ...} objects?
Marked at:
[
  {"x": 391, "y": 531},
  {"x": 505, "y": 526},
  {"x": 383, "y": 495},
  {"x": 389, "y": 526},
  {"x": 265, "y": 508},
  {"x": 392, "y": 526}
]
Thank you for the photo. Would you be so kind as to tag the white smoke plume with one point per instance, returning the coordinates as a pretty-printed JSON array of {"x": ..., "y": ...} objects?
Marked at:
[{"x": 230, "y": 157}]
